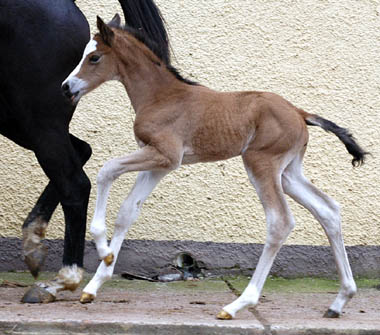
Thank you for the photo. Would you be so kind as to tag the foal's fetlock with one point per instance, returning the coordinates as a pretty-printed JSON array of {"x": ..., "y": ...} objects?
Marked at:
[
  {"x": 346, "y": 293},
  {"x": 249, "y": 298},
  {"x": 106, "y": 255},
  {"x": 108, "y": 260},
  {"x": 350, "y": 290},
  {"x": 68, "y": 278},
  {"x": 33, "y": 250}
]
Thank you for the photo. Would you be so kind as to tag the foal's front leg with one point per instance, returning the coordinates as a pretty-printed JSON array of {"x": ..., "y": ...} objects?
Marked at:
[{"x": 147, "y": 158}]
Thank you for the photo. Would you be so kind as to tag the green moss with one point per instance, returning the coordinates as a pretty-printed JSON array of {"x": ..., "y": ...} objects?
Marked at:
[
  {"x": 273, "y": 284},
  {"x": 302, "y": 285},
  {"x": 24, "y": 278}
]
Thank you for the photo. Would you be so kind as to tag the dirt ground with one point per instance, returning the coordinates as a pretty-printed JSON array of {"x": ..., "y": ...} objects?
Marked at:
[{"x": 281, "y": 311}]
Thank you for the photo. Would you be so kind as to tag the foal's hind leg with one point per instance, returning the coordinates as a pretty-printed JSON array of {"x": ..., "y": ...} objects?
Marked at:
[
  {"x": 265, "y": 175},
  {"x": 129, "y": 211},
  {"x": 326, "y": 211}
]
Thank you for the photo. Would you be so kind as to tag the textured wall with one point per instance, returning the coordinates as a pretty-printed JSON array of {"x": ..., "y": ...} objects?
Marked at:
[{"x": 321, "y": 55}]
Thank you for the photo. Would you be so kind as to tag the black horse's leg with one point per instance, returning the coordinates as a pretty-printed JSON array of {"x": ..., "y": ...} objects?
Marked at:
[
  {"x": 34, "y": 228},
  {"x": 75, "y": 233},
  {"x": 35, "y": 225},
  {"x": 62, "y": 161}
]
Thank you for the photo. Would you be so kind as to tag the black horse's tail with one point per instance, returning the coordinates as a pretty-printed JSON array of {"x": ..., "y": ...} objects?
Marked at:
[
  {"x": 342, "y": 133},
  {"x": 144, "y": 15}
]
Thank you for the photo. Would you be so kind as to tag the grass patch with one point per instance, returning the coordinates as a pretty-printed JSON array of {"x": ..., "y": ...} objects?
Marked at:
[
  {"x": 273, "y": 284},
  {"x": 301, "y": 285}
]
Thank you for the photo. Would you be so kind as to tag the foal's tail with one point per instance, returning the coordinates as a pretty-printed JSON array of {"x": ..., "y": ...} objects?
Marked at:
[{"x": 342, "y": 133}]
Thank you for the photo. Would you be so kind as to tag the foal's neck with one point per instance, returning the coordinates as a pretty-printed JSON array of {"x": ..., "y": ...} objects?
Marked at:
[{"x": 145, "y": 77}]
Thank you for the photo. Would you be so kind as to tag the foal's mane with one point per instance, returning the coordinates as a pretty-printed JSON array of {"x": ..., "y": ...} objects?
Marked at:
[{"x": 153, "y": 35}]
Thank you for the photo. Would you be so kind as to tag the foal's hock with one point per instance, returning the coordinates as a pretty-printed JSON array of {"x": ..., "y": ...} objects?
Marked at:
[{"x": 180, "y": 122}]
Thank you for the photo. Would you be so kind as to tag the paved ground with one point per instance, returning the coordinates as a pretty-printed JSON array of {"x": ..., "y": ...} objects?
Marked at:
[{"x": 140, "y": 307}]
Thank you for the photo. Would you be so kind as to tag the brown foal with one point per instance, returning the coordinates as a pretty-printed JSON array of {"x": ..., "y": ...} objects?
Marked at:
[{"x": 180, "y": 122}]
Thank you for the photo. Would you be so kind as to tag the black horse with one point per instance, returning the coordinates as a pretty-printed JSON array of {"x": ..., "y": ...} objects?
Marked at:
[{"x": 41, "y": 41}]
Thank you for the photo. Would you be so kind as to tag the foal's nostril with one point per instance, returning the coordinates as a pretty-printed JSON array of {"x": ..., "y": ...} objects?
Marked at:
[
  {"x": 66, "y": 90},
  {"x": 65, "y": 87}
]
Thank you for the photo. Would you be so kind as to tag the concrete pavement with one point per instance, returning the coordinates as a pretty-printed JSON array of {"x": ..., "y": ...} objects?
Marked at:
[{"x": 140, "y": 307}]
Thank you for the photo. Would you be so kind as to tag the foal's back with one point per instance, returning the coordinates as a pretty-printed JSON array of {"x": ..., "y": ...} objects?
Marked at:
[{"x": 220, "y": 125}]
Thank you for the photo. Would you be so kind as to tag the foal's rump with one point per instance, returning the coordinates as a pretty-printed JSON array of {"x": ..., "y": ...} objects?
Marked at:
[
  {"x": 285, "y": 128},
  {"x": 279, "y": 128}
]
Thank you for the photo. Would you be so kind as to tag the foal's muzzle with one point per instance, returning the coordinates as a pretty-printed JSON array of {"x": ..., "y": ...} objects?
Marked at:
[{"x": 66, "y": 90}]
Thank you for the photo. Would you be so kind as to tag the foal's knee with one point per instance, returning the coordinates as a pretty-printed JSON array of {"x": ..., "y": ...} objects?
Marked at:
[
  {"x": 97, "y": 230},
  {"x": 104, "y": 175}
]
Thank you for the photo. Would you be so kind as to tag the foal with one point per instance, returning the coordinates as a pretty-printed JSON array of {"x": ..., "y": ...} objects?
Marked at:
[{"x": 179, "y": 122}]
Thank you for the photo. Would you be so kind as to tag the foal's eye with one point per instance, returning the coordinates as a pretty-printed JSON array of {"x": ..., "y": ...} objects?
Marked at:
[{"x": 94, "y": 59}]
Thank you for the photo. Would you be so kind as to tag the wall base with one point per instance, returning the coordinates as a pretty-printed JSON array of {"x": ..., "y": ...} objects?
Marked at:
[{"x": 149, "y": 258}]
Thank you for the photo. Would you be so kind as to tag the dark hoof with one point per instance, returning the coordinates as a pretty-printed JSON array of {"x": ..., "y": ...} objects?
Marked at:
[
  {"x": 331, "y": 314},
  {"x": 35, "y": 259},
  {"x": 37, "y": 295}
]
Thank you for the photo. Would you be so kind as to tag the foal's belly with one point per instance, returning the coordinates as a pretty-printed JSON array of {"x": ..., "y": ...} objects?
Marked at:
[{"x": 210, "y": 151}]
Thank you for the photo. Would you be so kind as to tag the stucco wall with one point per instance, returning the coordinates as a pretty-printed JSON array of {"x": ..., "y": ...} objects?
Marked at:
[{"x": 321, "y": 55}]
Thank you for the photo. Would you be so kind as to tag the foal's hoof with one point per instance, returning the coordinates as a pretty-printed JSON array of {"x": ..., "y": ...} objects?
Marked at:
[
  {"x": 108, "y": 259},
  {"x": 331, "y": 314},
  {"x": 37, "y": 295},
  {"x": 35, "y": 258},
  {"x": 86, "y": 298},
  {"x": 223, "y": 315}
]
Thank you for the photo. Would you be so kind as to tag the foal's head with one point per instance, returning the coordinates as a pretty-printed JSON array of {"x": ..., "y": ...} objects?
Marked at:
[
  {"x": 126, "y": 46},
  {"x": 98, "y": 63}
]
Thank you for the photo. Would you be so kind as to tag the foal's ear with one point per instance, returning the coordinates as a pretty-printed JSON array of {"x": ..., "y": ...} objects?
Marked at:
[
  {"x": 115, "y": 22},
  {"x": 105, "y": 32}
]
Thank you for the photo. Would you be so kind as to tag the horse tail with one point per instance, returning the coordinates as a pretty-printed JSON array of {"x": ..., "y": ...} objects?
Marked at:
[
  {"x": 146, "y": 16},
  {"x": 343, "y": 134}
]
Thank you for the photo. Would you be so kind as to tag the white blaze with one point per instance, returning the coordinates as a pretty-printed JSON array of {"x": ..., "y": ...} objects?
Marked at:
[
  {"x": 90, "y": 47},
  {"x": 76, "y": 84}
]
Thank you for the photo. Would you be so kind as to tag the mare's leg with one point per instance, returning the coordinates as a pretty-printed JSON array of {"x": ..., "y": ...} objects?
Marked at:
[
  {"x": 35, "y": 225},
  {"x": 63, "y": 166},
  {"x": 129, "y": 211},
  {"x": 326, "y": 211},
  {"x": 265, "y": 174},
  {"x": 34, "y": 229}
]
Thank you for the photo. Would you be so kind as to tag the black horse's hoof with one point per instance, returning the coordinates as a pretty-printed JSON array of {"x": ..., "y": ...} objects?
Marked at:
[
  {"x": 331, "y": 314},
  {"x": 35, "y": 259},
  {"x": 37, "y": 295}
]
